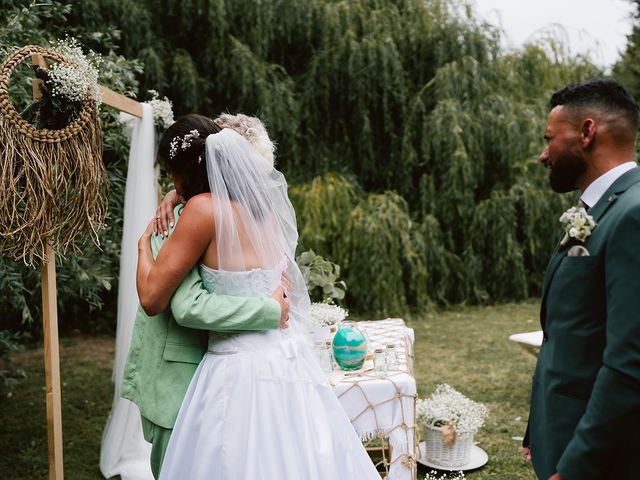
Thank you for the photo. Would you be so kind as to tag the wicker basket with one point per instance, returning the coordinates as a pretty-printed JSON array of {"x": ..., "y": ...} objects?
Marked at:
[{"x": 439, "y": 454}]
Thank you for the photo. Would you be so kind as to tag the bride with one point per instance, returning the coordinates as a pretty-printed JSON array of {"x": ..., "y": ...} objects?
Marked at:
[{"x": 258, "y": 406}]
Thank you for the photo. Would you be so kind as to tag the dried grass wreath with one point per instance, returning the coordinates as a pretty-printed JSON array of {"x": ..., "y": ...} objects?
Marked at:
[{"x": 53, "y": 183}]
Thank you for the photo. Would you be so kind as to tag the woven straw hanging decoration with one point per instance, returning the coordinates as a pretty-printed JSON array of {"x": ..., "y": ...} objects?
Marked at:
[{"x": 53, "y": 183}]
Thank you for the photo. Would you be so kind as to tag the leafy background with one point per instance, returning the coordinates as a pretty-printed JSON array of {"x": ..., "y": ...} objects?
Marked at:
[{"x": 409, "y": 136}]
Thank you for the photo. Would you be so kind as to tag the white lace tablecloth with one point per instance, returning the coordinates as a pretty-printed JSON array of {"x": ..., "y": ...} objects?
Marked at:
[{"x": 384, "y": 406}]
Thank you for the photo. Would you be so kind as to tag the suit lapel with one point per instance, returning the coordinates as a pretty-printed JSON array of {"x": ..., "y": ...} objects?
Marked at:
[{"x": 597, "y": 212}]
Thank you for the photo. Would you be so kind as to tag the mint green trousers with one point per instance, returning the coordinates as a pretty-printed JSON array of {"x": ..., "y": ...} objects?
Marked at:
[{"x": 158, "y": 437}]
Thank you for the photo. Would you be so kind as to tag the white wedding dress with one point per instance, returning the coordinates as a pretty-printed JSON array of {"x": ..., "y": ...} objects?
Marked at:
[{"x": 259, "y": 408}]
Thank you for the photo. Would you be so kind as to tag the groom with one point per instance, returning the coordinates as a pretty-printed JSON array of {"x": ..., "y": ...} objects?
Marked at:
[
  {"x": 584, "y": 421},
  {"x": 167, "y": 348}
]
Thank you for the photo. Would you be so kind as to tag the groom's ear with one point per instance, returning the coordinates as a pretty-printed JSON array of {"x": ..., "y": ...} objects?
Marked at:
[{"x": 588, "y": 129}]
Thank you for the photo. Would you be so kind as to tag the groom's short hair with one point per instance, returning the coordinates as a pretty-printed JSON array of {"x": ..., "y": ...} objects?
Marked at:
[{"x": 606, "y": 95}]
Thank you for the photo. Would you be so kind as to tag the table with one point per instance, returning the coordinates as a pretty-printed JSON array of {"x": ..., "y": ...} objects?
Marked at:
[{"x": 383, "y": 407}]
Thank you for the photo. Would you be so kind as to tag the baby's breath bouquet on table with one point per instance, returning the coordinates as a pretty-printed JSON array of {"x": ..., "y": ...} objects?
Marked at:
[
  {"x": 450, "y": 421},
  {"x": 446, "y": 406},
  {"x": 327, "y": 314}
]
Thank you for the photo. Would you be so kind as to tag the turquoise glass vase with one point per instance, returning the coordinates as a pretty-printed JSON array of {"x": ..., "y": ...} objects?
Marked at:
[{"x": 349, "y": 346}]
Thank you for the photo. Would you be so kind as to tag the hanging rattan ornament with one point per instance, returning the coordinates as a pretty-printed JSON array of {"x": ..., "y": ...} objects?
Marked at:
[{"x": 53, "y": 183}]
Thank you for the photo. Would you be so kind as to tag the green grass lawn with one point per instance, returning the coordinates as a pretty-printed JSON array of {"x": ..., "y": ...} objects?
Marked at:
[
  {"x": 468, "y": 349},
  {"x": 465, "y": 347},
  {"x": 87, "y": 393}
]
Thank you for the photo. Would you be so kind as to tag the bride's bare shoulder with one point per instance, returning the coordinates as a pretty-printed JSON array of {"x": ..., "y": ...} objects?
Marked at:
[
  {"x": 199, "y": 202},
  {"x": 199, "y": 207}
]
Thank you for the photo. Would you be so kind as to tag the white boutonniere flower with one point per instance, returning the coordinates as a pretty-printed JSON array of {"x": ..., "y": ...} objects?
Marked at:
[{"x": 577, "y": 223}]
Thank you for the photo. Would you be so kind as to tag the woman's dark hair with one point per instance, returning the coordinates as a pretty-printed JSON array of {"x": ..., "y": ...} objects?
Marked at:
[{"x": 188, "y": 164}]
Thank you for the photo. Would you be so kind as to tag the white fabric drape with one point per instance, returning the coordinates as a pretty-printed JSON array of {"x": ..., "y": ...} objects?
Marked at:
[{"x": 124, "y": 451}]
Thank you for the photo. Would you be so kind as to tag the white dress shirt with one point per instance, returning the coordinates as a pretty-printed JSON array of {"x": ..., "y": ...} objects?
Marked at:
[{"x": 596, "y": 189}]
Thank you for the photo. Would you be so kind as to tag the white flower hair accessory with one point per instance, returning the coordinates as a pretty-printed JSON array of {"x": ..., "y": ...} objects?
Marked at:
[
  {"x": 577, "y": 224},
  {"x": 183, "y": 143}
]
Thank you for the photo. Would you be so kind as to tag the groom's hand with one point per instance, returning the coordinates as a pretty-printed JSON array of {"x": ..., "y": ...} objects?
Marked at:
[
  {"x": 555, "y": 476},
  {"x": 280, "y": 297},
  {"x": 526, "y": 453}
]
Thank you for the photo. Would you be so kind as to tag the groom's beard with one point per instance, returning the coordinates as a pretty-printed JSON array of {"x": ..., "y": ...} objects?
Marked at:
[{"x": 565, "y": 171}]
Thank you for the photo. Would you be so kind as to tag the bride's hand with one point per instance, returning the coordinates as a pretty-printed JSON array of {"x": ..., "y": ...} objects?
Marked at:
[{"x": 164, "y": 213}]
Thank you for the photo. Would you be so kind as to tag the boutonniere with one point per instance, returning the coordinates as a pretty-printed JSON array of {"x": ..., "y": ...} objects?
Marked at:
[{"x": 577, "y": 223}]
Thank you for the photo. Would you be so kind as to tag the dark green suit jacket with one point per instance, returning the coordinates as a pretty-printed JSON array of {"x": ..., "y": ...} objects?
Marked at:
[
  {"x": 585, "y": 401},
  {"x": 167, "y": 348}
]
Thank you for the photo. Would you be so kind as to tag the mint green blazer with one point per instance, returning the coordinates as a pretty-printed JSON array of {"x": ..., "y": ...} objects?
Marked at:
[
  {"x": 584, "y": 420},
  {"x": 167, "y": 348}
]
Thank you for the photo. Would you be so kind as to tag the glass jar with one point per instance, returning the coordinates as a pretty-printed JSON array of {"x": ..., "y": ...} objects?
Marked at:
[
  {"x": 393, "y": 362},
  {"x": 379, "y": 362},
  {"x": 349, "y": 346},
  {"x": 326, "y": 361},
  {"x": 324, "y": 356}
]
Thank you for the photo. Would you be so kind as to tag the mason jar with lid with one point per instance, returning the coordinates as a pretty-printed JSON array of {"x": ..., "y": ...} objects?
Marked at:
[
  {"x": 379, "y": 362},
  {"x": 391, "y": 354}
]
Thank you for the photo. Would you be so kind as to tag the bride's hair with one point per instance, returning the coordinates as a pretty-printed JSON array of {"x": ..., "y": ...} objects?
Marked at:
[
  {"x": 189, "y": 163},
  {"x": 182, "y": 152}
]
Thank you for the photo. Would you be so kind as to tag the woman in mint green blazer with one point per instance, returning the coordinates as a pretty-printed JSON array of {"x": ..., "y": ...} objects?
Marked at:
[{"x": 167, "y": 348}]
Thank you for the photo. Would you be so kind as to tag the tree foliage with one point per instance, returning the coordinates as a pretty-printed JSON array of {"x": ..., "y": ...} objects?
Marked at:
[
  {"x": 410, "y": 137},
  {"x": 86, "y": 283},
  {"x": 627, "y": 69}
]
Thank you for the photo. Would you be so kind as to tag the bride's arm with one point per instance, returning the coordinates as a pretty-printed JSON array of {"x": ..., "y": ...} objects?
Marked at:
[{"x": 157, "y": 280}]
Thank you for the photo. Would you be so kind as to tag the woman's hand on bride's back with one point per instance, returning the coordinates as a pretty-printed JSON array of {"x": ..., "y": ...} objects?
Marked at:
[{"x": 164, "y": 213}]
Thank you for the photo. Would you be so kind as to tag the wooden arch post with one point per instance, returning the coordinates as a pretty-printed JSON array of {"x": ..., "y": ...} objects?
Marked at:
[{"x": 50, "y": 307}]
